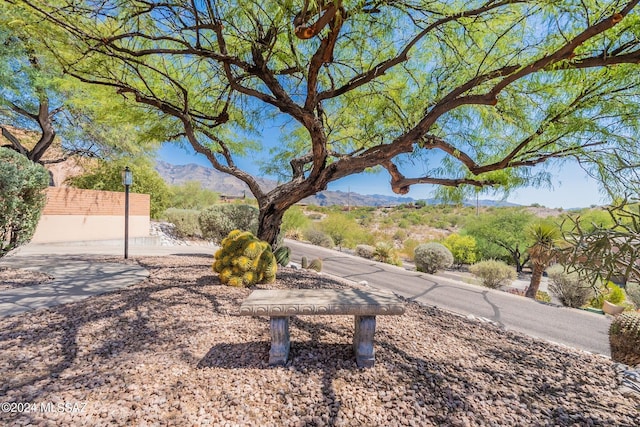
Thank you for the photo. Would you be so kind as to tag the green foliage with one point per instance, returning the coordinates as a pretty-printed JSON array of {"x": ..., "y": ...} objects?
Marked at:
[
  {"x": 463, "y": 248},
  {"x": 244, "y": 260},
  {"x": 22, "y": 198},
  {"x": 294, "y": 219},
  {"x": 107, "y": 176},
  {"x": 192, "y": 196},
  {"x": 283, "y": 254},
  {"x": 185, "y": 221},
  {"x": 39, "y": 97},
  {"x": 601, "y": 253},
  {"x": 611, "y": 292},
  {"x": 543, "y": 296},
  {"x": 318, "y": 238},
  {"x": 343, "y": 230},
  {"x": 493, "y": 273},
  {"x": 409, "y": 247},
  {"x": 624, "y": 338},
  {"x": 218, "y": 221},
  {"x": 385, "y": 252},
  {"x": 431, "y": 257},
  {"x": 501, "y": 234},
  {"x": 568, "y": 287}
]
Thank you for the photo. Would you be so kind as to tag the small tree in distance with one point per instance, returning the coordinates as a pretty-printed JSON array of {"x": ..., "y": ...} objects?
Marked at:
[{"x": 452, "y": 85}]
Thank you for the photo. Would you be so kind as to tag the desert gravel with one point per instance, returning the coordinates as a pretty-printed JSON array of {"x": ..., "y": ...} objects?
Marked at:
[{"x": 172, "y": 351}]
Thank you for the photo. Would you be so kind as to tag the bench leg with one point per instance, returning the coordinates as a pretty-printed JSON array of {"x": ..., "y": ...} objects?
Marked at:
[
  {"x": 279, "y": 341},
  {"x": 365, "y": 328}
]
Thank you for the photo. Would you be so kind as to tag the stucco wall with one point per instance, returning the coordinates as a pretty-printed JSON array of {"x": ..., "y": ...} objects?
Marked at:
[{"x": 72, "y": 215}]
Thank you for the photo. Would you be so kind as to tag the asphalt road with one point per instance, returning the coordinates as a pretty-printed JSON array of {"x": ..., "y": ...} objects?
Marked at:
[{"x": 574, "y": 328}]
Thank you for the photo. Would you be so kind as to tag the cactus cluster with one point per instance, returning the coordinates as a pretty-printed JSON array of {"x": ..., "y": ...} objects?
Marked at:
[
  {"x": 244, "y": 260},
  {"x": 315, "y": 264},
  {"x": 624, "y": 338}
]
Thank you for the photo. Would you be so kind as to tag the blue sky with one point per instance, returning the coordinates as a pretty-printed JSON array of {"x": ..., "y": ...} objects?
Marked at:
[{"x": 572, "y": 188}]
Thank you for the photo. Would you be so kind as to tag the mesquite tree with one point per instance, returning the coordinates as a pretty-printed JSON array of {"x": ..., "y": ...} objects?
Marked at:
[{"x": 475, "y": 92}]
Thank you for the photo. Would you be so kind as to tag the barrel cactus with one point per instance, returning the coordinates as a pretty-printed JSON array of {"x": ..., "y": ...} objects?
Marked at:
[
  {"x": 244, "y": 260},
  {"x": 282, "y": 254},
  {"x": 624, "y": 338},
  {"x": 316, "y": 265}
]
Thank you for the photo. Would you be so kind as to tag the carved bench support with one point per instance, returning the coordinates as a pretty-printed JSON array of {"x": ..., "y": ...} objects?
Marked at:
[
  {"x": 280, "y": 342},
  {"x": 280, "y": 304},
  {"x": 365, "y": 328}
]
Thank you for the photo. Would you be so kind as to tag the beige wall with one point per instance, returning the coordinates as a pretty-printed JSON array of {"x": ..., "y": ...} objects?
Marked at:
[{"x": 77, "y": 215}]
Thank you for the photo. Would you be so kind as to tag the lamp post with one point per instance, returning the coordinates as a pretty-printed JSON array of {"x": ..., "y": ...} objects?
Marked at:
[{"x": 127, "y": 180}]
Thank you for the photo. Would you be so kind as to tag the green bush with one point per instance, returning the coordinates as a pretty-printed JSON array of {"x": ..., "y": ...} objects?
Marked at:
[
  {"x": 217, "y": 221},
  {"x": 543, "y": 296},
  {"x": 244, "y": 260},
  {"x": 185, "y": 221},
  {"x": 294, "y": 219},
  {"x": 633, "y": 291},
  {"x": 22, "y": 198},
  {"x": 431, "y": 257},
  {"x": 612, "y": 293},
  {"x": 318, "y": 238},
  {"x": 463, "y": 248},
  {"x": 493, "y": 273},
  {"x": 190, "y": 195},
  {"x": 568, "y": 287}
]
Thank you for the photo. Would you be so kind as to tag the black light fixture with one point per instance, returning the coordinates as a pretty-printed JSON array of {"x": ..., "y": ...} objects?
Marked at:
[{"x": 127, "y": 181}]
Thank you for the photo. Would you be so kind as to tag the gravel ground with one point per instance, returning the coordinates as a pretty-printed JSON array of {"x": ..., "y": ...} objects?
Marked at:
[
  {"x": 11, "y": 278},
  {"x": 172, "y": 351}
]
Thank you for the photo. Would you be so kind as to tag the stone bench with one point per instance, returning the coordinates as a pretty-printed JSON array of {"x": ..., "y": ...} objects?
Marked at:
[{"x": 281, "y": 304}]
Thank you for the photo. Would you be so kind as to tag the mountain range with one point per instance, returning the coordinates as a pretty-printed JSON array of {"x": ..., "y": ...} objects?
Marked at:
[{"x": 230, "y": 186}]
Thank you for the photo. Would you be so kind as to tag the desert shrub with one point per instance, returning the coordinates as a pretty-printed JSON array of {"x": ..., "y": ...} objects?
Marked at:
[
  {"x": 463, "y": 248},
  {"x": 318, "y": 238},
  {"x": 365, "y": 251},
  {"x": 217, "y": 221},
  {"x": 543, "y": 296},
  {"x": 612, "y": 293},
  {"x": 568, "y": 287},
  {"x": 408, "y": 248},
  {"x": 22, "y": 198},
  {"x": 343, "y": 230},
  {"x": 191, "y": 195},
  {"x": 294, "y": 234},
  {"x": 493, "y": 273},
  {"x": 431, "y": 257},
  {"x": 244, "y": 260},
  {"x": 294, "y": 219},
  {"x": 385, "y": 252},
  {"x": 633, "y": 292},
  {"x": 185, "y": 220}
]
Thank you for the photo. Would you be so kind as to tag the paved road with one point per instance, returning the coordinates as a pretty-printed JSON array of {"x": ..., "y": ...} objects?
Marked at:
[{"x": 571, "y": 327}]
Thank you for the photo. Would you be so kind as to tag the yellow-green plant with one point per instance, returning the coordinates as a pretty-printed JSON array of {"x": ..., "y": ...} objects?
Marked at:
[{"x": 244, "y": 260}]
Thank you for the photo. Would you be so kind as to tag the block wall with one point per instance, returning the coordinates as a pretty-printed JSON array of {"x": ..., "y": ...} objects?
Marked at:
[{"x": 71, "y": 214}]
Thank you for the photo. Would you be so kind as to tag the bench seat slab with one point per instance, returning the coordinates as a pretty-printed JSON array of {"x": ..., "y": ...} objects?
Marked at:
[{"x": 294, "y": 302}]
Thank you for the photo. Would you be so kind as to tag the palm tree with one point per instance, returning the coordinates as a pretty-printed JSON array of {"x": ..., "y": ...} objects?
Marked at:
[{"x": 545, "y": 236}]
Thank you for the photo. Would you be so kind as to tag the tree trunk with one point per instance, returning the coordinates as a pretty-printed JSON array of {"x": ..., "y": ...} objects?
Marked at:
[
  {"x": 536, "y": 277},
  {"x": 269, "y": 222}
]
